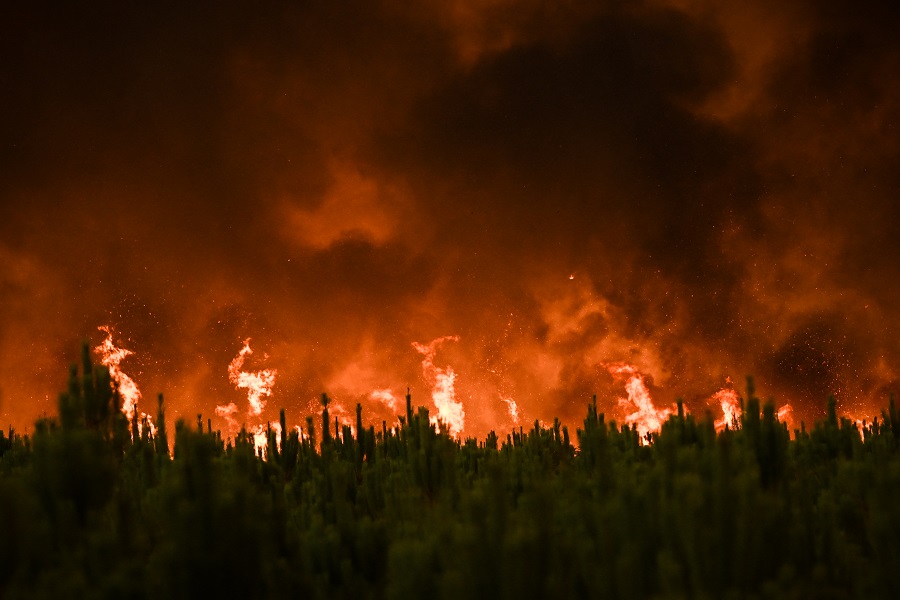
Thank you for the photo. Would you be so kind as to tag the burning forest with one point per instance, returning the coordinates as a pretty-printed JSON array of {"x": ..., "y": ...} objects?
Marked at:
[
  {"x": 405, "y": 510},
  {"x": 502, "y": 209},
  {"x": 690, "y": 190}
]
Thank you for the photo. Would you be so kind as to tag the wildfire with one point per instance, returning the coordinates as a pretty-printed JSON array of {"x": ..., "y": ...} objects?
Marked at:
[
  {"x": 261, "y": 437},
  {"x": 227, "y": 412},
  {"x": 637, "y": 405},
  {"x": 344, "y": 417},
  {"x": 111, "y": 356},
  {"x": 258, "y": 384},
  {"x": 730, "y": 402},
  {"x": 387, "y": 398},
  {"x": 443, "y": 392},
  {"x": 785, "y": 413},
  {"x": 513, "y": 409},
  {"x": 646, "y": 418}
]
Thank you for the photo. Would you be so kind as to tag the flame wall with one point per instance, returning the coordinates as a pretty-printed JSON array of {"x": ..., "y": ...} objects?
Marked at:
[{"x": 696, "y": 189}]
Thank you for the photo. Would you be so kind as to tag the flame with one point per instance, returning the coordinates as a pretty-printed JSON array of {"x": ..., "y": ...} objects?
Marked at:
[
  {"x": 111, "y": 356},
  {"x": 513, "y": 409},
  {"x": 227, "y": 412},
  {"x": 730, "y": 402},
  {"x": 257, "y": 384},
  {"x": 785, "y": 413},
  {"x": 261, "y": 437},
  {"x": 387, "y": 398},
  {"x": 344, "y": 417},
  {"x": 443, "y": 393},
  {"x": 647, "y": 418},
  {"x": 150, "y": 424}
]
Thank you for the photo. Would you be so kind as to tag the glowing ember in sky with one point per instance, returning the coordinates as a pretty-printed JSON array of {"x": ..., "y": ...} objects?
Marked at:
[
  {"x": 443, "y": 393},
  {"x": 258, "y": 384},
  {"x": 111, "y": 356}
]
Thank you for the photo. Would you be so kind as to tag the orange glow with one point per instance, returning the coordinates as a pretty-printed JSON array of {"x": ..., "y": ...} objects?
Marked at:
[
  {"x": 785, "y": 413},
  {"x": 355, "y": 206},
  {"x": 343, "y": 187}
]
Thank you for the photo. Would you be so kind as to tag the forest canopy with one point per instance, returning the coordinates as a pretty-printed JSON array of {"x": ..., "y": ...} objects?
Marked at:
[{"x": 92, "y": 505}]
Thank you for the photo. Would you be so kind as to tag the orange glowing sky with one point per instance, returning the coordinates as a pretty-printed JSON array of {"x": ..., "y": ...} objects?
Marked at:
[{"x": 699, "y": 190}]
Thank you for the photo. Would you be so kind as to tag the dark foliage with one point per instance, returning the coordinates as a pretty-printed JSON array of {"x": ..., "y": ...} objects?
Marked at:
[{"x": 94, "y": 506}]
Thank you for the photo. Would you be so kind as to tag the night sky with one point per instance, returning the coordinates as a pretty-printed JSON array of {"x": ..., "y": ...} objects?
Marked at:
[{"x": 701, "y": 189}]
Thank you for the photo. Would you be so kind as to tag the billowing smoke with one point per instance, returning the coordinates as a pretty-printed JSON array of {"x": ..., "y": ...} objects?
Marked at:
[{"x": 698, "y": 189}]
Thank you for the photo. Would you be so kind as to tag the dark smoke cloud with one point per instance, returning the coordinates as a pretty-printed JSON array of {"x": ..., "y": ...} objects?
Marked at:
[{"x": 338, "y": 180}]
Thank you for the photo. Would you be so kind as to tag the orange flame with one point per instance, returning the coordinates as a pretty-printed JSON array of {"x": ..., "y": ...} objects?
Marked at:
[
  {"x": 647, "y": 418},
  {"x": 150, "y": 424},
  {"x": 227, "y": 412},
  {"x": 785, "y": 413},
  {"x": 730, "y": 402},
  {"x": 111, "y": 356},
  {"x": 443, "y": 393},
  {"x": 344, "y": 417},
  {"x": 513, "y": 409},
  {"x": 387, "y": 398},
  {"x": 261, "y": 439},
  {"x": 257, "y": 384}
]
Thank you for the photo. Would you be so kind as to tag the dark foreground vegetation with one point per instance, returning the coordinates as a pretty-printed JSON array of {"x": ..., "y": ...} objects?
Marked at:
[{"x": 94, "y": 506}]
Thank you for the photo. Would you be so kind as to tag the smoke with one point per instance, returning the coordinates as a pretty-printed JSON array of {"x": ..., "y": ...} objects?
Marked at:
[{"x": 697, "y": 189}]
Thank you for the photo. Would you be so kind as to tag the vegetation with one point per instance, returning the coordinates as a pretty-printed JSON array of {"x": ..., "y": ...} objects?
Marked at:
[{"x": 94, "y": 506}]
